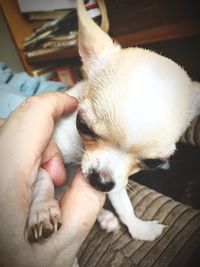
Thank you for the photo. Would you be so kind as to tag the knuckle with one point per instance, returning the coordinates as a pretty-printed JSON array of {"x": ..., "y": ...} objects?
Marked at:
[{"x": 31, "y": 102}]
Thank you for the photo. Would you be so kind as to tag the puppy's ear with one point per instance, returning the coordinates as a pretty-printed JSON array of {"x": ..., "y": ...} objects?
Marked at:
[{"x": 95, "y": 46}]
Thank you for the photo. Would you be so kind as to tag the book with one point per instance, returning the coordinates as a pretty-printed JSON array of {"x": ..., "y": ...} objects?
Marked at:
[
  {"x": 63, "y": 26},
  {"x": 46, "y": 72},
  {"x": 50, "y": 15},
  {"x": 66, "y": 75},
  {"x": 42, "y": 51},
  {"x": 45, "y": 5},
  {"x": 60, "y": 41},
  {"x": 69, "y": 75},
  {"x": 48, "y": 5}
]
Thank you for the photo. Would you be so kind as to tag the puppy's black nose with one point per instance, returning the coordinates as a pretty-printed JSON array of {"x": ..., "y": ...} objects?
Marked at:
[{"x": 99, "y": 182}]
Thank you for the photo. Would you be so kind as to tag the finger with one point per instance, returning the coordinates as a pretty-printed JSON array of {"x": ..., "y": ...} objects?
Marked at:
[
  {"x": 27, "y": 131},
  {"x": 80, "y": 207},
  {"x": 1, "y": 122},
  {"x": 52, "y": 162}
]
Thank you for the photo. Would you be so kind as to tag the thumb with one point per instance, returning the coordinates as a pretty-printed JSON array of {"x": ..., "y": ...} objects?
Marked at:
[{"x": 80, "y": 207}]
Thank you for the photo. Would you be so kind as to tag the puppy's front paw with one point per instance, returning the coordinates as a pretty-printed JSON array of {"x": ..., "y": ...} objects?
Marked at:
[
  {"x": 44, "y": 219},
  {"x": 108, "y": 221},
  {"x": 146, "y": 230}
]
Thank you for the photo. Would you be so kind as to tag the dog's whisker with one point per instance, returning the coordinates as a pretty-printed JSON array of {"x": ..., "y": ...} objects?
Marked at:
[
  {"x": 77, "y": 151},
  {"x": 137, "y": 195},
  {"x": 173, "y": 161},
  {"x": 79, "y": 148},
  {"x": 74, "y": 164}
]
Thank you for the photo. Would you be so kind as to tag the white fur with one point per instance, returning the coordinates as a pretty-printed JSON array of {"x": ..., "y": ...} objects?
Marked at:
[
  {"x": 112, "y": 160},
  {"x": 138, "y": 103},
  {"x": 66, "y": 135},
  {"x": 139, "y": 229},
  {"x": 108, "y": 221}
]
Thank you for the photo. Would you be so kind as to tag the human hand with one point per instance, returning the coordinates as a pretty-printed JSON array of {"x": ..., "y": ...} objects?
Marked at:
[{"x": 25, "y": 145}]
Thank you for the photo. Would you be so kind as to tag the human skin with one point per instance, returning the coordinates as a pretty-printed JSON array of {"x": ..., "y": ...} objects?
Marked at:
[{"x": 26, "y": 144}]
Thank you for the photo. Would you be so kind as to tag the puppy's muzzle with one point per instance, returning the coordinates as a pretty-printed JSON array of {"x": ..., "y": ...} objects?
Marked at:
[{"x": 101, "y": 181}]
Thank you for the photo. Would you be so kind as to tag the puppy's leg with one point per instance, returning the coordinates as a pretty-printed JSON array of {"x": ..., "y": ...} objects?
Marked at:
[
  {"x": 139, "y": 229},
  {"x": 108, "y": 221},
  {"x": 44, "y": 214},
  {"x": 75, "y": 264}
]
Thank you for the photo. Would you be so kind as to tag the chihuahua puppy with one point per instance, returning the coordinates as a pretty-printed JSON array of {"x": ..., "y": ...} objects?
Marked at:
[{"x": 134, "y": 106}]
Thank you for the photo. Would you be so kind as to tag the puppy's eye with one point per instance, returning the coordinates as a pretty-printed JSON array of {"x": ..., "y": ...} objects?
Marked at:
[
  {"x": 83, "y": 129},
  {"x": 152, "y": 164}
]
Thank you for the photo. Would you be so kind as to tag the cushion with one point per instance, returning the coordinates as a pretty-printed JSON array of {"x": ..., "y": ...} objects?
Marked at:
[{"x": 175, "y": 247}]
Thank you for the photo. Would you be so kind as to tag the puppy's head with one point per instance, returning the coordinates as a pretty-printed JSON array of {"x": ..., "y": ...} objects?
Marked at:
[{"x": 134, "y": 108}]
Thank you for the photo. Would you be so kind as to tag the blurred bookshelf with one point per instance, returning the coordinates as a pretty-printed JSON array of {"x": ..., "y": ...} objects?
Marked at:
[
  {"x": 54, "y": 63},
  {"x": 159, "y": 25}
]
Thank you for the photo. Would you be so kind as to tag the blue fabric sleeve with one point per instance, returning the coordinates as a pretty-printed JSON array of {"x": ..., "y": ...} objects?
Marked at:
[
  {"x": 9, "y": 100},
  {"x": 15, "y": 87}
]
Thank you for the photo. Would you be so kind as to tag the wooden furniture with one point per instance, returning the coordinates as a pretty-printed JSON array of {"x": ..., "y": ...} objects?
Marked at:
[
  {"x": 159, "y": 25},
  {"x": 143, "y": 22}
]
